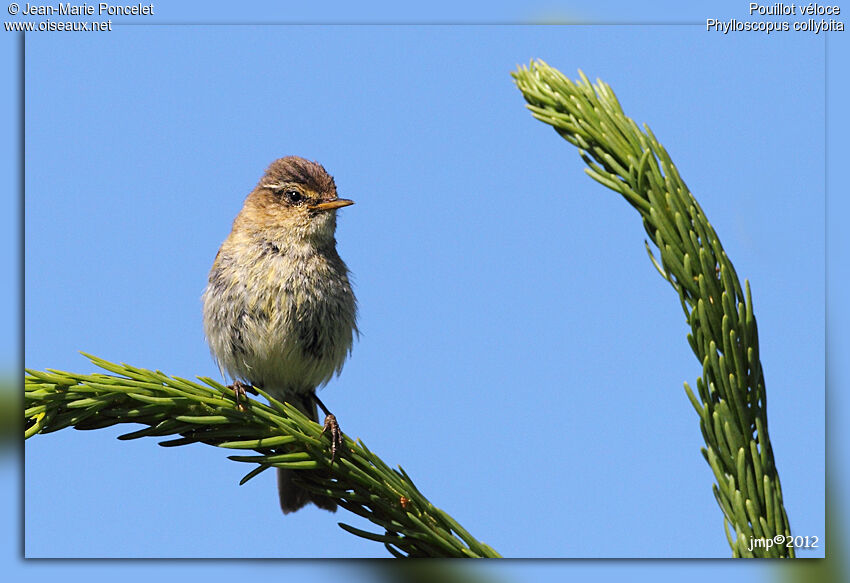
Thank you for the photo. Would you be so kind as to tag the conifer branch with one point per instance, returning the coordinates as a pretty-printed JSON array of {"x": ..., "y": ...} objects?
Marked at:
[
  {"x": 731, "y": 400},
  {"x": 278, "y": 433}
]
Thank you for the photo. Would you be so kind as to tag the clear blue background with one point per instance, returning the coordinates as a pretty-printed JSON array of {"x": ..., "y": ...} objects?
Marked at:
[{"x": 520, "y": 356}]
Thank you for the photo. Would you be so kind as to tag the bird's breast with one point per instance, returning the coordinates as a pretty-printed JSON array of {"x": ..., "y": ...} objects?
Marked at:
[{"x": 282, "y": 317}]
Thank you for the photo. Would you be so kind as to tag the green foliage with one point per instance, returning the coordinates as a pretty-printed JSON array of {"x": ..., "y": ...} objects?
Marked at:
[
  {"x": 731, "y": 400},
  {"x": 732, "y": 403},
  {"x": 280, "y": 435}
]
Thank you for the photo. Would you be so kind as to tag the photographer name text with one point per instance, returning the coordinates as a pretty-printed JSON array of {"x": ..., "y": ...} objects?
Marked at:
[{"x": 100, "y": 9}]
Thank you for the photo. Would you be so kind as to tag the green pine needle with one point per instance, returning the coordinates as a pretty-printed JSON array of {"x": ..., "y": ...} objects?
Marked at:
[
  {"x": 279, "y": 434},
  {"x": 731, "y": 399}
]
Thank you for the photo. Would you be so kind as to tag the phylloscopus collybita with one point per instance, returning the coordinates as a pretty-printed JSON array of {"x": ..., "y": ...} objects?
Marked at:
[{"x": 279, "y": 312}]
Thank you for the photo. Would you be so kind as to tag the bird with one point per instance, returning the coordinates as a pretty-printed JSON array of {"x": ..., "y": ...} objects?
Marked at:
[{"x": 279, "y": 311}]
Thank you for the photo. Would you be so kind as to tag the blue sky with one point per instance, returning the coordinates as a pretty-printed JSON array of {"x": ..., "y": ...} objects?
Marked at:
[{"x": 520, "y": 357}]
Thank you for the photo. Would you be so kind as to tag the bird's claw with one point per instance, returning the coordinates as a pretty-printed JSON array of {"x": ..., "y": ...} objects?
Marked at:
[
  {"x": 335, "y": 433},
  {"x": 241, "y": 391}
]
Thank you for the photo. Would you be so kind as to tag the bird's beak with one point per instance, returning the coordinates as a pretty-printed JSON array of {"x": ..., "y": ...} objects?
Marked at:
[{"x": 332, "y": 204}]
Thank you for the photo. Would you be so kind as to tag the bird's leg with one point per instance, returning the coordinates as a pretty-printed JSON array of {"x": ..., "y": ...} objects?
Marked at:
[
  {"x": 241, "y": 391},
  {"x": 331, "y": 426}
]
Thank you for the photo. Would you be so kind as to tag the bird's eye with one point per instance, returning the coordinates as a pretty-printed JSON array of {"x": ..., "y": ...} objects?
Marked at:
[{"x": 293, "y": 196}]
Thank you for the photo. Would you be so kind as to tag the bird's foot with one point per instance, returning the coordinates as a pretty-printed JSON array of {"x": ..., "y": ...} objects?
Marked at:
[
  {"x": 332, "y": 427},
  {"x": 241, "y": 391}
]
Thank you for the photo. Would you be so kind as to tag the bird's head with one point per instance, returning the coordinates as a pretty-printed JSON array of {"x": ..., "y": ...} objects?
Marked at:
[{"x": 294, "y": 198}]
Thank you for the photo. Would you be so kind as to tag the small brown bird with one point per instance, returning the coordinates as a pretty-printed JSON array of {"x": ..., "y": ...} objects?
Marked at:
[{"x": 279, "y": 312}]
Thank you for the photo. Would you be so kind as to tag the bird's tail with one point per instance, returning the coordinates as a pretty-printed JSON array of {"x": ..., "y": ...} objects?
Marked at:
[{"x": 292, "y": 496}]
